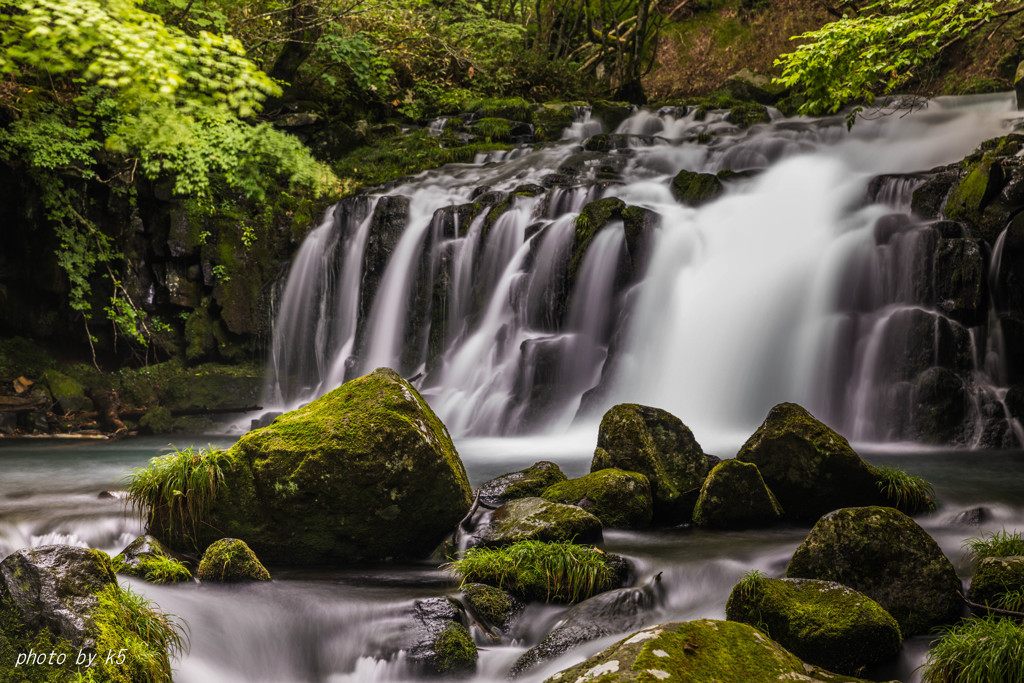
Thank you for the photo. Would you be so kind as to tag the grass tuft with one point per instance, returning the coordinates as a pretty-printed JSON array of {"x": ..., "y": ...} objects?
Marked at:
[
  {"x": 749, "y": 583},
  {"x": 154, "y": 569},
  {"x": 177, "y": 490},
  {"x": 997, "y": 544},
  {"x": 906, "y": 492},
  {"x": 552, "y": 572},
  {"x": 982, "y": 650},
  {"x": 151, "y": 637}
]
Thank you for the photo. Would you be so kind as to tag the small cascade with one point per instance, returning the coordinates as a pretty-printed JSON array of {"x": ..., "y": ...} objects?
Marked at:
[{"x": 809, "y": 280}]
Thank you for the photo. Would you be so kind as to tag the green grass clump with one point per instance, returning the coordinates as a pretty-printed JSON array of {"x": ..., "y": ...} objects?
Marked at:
[
  {"x": 154, "y": 569},
  {"x": 515, "y": 108},
  {"x": 997, "y": 544},
  {"x": 177, "y": 490},
  {"x": 552, "y": 572},
  {"x": 749, "y": 582},
  {"x": 983, "y": 650},
  {"x": 1012, "y": 600},
  {"x": 906, "y": 492},
  {"x": 493, "y": 129},
  {"x": 151, "y": 637}
]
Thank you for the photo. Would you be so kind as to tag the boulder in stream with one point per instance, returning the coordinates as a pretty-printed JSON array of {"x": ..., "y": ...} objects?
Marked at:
[
  {"x": 149, "y": 559},
  {"x": 229, "y": 560},
  {"x": 535, "y": 519},
  {"x": 884, "y": 554},
  {"x": 734, "y": 496},
  {"x": 437, "y": 641},
  {"x": 496, "y": 608},
  {"x": 527, "y": 483},
  {"x": 620, "y": 499},
  {"x": 996, "y": 577},
  {"x": 696, "y": 189}
]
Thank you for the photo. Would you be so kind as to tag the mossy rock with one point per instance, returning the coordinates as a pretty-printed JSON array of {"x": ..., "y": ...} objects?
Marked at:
[
  {"x": 534, "y": 519},
  {"x": 961, "y": 275},
  {"x": 611, "y": 114},
  {"x": 620, "y": 499},
  {"x": 979, "y": 184},
  {"x": 747, "y": 114},
  {"x": 696, "y": 189},
  {"x": 702, "y": 651},
  {"x": 526, "y": 483},
  {"x": 884, "y": 554},
  {"x": 995, "y": 577},
  {"x": 497, "y": 608},
  {"x": 809, "y": 467},
  {"x": 734, "y": 496},
  {"x": 456, "y": 653},
  {"x": 229, "y": 560},
  {"x": 66, "y": 391},
  {"x": 365, "y": 473},
  {"x": 822, "y": 622},
  {"x": 658, "y": 445},
  {"x": 593, "y": 217},
  {"x": 148, "y": 559}
]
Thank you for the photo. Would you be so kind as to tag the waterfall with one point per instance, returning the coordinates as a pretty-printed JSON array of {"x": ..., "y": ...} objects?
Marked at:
[{"x": 808, "y": 280}]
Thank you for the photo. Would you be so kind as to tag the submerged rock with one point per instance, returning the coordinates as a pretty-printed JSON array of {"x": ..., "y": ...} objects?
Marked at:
[
  {"x": 658, "y": 445},
  {"x": 535, "y": 519},
  {"x": 703, "y": 650},
  {"x": 230, "y": 560},
  {"x": 822, "y": 622},
  {"x": 527, "y": 483},
  {"x": 809, "y": 467},
  {"x": 620, "y": 499},
  {"x": 884, "y": 554},
  {"x": 734, "y": 496}
]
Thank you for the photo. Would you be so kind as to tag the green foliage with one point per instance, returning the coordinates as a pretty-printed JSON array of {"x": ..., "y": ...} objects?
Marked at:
[
  {"x": 876, "y": 52},
  {"x": 983, "y": 650},
  {"x": 152, "y": 638},
  {"x": 553, "y": 572},
  {"x": 997, "y": 544},
  {"x": 155, "y": 569},
  {"x": 1012, "y": 600},
  {"x": 177, "y": 490},
  {"x": 749, "y": 582},
  {"x": 905, "y": 491}
]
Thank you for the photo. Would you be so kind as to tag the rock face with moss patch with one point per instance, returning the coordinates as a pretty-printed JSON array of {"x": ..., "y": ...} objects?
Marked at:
[
  {"x": 497, "y": 608},
  {"x": 658, "y": 445},
  {"x": 703, "y": 651},
  {"x": 696, "y": 189},
  {"x": 535, "y": 519},
  {"x": 620, "y": 499},
  {"x": 229, "y": 560},
  {"x": 147, "y": 558},
  {"x": 809, "y": 467},
  {"x": 822, "y": 622},
  {"x": 66, "y": 392},
  {"x": 437, "y": 642},
  {"x": 734, "y": 496},
  {"x": 884, "y": 554},
  {"x": 995, "y": 578},
  {"x": 364, "y": 473},
  {"x": 527, "y": 483}
]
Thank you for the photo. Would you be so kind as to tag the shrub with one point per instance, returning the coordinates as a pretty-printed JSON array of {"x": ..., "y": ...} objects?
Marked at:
[{"x": 982, "y": 650}]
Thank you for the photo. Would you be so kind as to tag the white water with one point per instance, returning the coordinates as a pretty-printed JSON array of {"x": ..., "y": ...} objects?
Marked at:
[{"x": 776, "y": 291}]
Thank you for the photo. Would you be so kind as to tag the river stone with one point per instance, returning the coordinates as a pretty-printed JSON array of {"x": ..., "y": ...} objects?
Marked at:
[
  {"x": 734, "y": 496},
  {"x": 995, "y": 577},
  {"x": 658, "y": 445},
  {"x": 527, "y": 483},
  {"x": 133, "y": 560},
  {"x": 497, "y": 608},
  {"x": 611, "y": 612},
  {"x": 702, "y": 650},
  {"x": 810, "y": 468},
  {"x": 620, "y": 499},
  {"x": 884, "y": 554},
  {"x": 365, "y": 473},
  {"x": 437, "y": 642},
  {"x": 696, "y": 189},
  {"x": 54, "y": 587},
  {"x": 67, "y": 392},
  {"x": 822, "y": 622},
  {"x": 535, "y": 519},
  {"x": 229, "y": 560}
]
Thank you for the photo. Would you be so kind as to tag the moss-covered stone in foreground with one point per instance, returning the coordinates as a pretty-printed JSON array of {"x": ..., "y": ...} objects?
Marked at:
[
  {"x": 229, "y": 560},
  {"x": 822, "y": 622},
  {"x": 620, "y": 499},
  {"x": 703, "y": 651}
]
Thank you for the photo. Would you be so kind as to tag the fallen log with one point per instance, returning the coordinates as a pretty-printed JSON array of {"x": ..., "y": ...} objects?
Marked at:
[{"x": 18, "y": 404}]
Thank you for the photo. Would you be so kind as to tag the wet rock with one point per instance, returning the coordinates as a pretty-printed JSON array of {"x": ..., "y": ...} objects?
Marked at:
[
  {"x": 734, "y": 496},
  {"x": 940, "y": 404},
  {"x": 611, "y": 114},
  {"x": 808, "y": 466},
  {"x": 388, "y": 224},
  {"x": 996, "y": 577},
  {"x": 527, "y": 483},
  {"x": 885, "y": 555},
  {"x": 616, "y": 611},
  {"x": 748, "y": 86},
  {"x": 534, "y": 519},
  {"x": 972, "y": 517},
  {"x": 696, "y": 189},
  {"x": 67, "y": 392},
  {"x": 620, "y": 499},
  {"x": 928, "y": 199},
  {"x": 822, "y": 622},
  {"x": 148, "y": 559},
  {"x": 702, "y": 650},
  {"x": 437, "y": 641},
  {"x": 658, "y": 445},
  {"x": 747, "y": 114},
  {"x": 495, "y": 607},
  {"x": 960, "y": 281},
  {"x": 230, "y": 560},
  {"x": 265, "y": 419}
]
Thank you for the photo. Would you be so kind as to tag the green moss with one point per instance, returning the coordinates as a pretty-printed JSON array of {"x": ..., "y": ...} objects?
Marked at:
[
  {"x": 538, "y": 520},
  {"x": 552, "y": 572},
  {"x": 536, "y": 478},
  {"x": 515, "y": 108},
  {"x": 154, "y": 569},
  {"x": 696, "y": 189},
  {"x": 619, "y": 499},
  {"x": 230, "y": 559},
  {"x": 20, "y": 357},
  {"x": 491, "y": 604},
  {"x": 821, "y": 622},
  {"x": 67, "y": 391},
  {"x": 592, "y": 218},
  {"x": 493, "y": 129},
  {"x": 455, "y": 651},
  {"x": 157, "y": 420},
  {"x": 735, "y": 496},
  {"x": 999, "y": 582},
  {"x": 969, "y": 196}
]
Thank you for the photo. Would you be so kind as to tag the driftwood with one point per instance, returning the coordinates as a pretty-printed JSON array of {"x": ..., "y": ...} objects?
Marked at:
[
  {"x": 990, "y": 610},
  {"x": 107, "y": 404},
  {"x": 18, "y": 404}
]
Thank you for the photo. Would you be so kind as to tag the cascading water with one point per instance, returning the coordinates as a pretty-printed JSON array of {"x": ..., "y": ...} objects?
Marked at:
[{"x": 808, "y": 280}]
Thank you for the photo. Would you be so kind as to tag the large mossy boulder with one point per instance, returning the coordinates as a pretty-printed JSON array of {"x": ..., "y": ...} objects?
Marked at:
[
  {"x": 67, "y": 392},
  {"x": 884, "y": 554},
  {"x": 620, "y": 499},
  {"x": 996, "y": 578},
  {"x": 535, "y": 519},
  {"x": 659, "y": 446},
  {"x": 822, "y": 622},
  {"x": 365, "y": 473},
  {"x": 527, "y": 483},
  {"x": 734, "y": 496},
  {"x": 705, "y": 650},
  {"x": 696, "y": 189},
  {"x": 230, "y": 560},
  {"x": 809, "y": 467}
]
